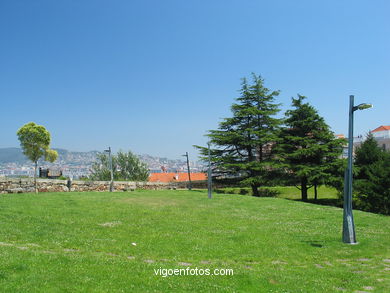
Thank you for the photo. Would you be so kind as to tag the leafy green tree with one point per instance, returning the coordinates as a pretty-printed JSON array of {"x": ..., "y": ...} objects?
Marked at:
[
  {"x": 372, "y": 182},
  {"x": 242, "y": 146},
  {"x": 308, "y": 150},
  {"x": 35, "y": 142},
  {"x": 101, "y": 168},
  {"x": 126, "y": 166}
]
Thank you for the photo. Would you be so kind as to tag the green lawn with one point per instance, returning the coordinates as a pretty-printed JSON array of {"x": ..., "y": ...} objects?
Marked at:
[{"x": 82, "y": 242}]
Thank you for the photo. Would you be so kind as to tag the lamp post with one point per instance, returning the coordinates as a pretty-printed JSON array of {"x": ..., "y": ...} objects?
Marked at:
[
  {"x": 209, "y": 175},
  {"x": 188, "y": 169},
  {"x": 111, "y": 171},
  {"x": 348, "y": 223}
]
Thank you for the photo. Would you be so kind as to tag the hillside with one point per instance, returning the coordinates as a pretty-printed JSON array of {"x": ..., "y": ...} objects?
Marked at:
[
  {"x": 12, "y": 155},
  {"x": 15, "y": 155}
]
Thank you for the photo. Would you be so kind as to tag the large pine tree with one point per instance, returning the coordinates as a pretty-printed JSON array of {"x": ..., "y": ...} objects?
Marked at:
[
  {"x": 242, "y": 146},
  {"x": 308, "y": 150}
]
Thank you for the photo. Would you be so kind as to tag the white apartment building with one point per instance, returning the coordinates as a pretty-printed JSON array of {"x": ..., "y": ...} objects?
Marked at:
[
  {"x": 381, "y": 132},
  {"x": 382, "y": 136}
]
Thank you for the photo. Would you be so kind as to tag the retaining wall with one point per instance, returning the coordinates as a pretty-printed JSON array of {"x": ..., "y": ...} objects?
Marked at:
[{"x": 13, "y": 185}]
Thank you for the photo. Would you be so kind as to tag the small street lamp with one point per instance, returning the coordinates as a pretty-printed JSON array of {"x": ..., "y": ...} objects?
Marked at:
[
  {"x": 348, "y": 223},
  {"x": 111, "y": 171},
  {"x": 188, "y": 169}
]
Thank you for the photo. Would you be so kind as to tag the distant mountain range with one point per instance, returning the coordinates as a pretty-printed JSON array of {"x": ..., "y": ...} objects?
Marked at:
[
  {"x": 12, "y": 155},
  {"x": 15, "y": 155},
  {"x": 69, "y": 158}
]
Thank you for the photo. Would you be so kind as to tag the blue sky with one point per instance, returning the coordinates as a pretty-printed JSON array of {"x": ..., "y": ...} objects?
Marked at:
[{"x": 154, "y": 76}]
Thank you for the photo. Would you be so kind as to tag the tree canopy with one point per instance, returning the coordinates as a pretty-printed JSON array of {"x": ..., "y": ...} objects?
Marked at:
[{"x": 35, "y": 142}]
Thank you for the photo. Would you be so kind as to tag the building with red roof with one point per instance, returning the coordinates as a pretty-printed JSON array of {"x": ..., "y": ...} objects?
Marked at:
[
  {"x": 381, "y": 132},
  {"x": 382, "y": 136},
  {"x": 176, "y": 177}
]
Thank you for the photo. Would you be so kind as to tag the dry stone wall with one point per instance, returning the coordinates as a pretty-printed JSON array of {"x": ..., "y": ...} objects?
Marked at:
[{"x": 12, "y": 185}]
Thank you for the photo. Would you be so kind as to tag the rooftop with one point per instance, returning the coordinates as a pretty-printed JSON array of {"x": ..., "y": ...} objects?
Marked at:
[
  {"x": 175, "y": 177},
  {"x": 381, "y": 128}
]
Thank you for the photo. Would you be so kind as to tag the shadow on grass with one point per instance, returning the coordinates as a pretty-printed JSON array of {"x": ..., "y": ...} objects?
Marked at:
[
  {"x": 317, "y": 244},
  {"x": 268, "y": 192},
  {"x": 196, "y": 190},
  {"x": 334, "y": 202}
]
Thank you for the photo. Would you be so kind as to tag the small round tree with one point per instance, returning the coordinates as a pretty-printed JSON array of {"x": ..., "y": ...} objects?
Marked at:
[{"x": 35, "y": 142}]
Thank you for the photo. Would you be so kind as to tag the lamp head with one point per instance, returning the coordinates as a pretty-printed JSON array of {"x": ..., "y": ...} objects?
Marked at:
[{"x": 363, "y": 106}]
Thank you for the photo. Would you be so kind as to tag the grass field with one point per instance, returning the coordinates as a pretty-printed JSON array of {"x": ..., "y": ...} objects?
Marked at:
[{"x": 102, "y": 242}]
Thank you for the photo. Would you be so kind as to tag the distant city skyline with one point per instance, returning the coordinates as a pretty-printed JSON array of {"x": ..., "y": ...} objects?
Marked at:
[
  {"x": 79, "y": 164},
  {"x": 154, "y": 76}
]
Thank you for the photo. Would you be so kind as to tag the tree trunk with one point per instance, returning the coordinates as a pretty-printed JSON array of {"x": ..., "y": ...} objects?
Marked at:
[
  {"x": 304, "y": 188},
  {"x": 255, "y": 191},
  {"x": 315, "y": 191},
  {"x": 35, "y": 176}
]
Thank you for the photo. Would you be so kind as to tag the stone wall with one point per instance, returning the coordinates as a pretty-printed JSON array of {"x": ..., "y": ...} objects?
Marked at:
[{"x": 12, "y": 185}]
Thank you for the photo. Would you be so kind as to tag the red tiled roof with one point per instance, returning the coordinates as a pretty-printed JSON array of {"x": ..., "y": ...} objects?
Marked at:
[
  {"x": 176, "y": 177},
  {"x": 381, "y": 128},
  {"x": 340, "y": 135}
]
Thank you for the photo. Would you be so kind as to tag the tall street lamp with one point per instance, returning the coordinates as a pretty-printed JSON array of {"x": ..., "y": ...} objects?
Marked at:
[
  {"x": 188, "y": 170},
  {"x": 209, "y": 174},
  {"x": 111, "y": 171},
  {"x": 348, "y": 223}
]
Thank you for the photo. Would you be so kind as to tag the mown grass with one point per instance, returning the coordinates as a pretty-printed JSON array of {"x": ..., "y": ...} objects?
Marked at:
[{"x": 82, "y": 242}]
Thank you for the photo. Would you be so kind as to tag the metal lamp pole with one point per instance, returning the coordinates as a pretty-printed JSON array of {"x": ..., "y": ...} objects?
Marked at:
[
  {"x": 209, "y": 175},
  {"x": 111, "y": 171},
  {"x": 188, "y": 169},
  {"x": 348, "y": 223}
]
